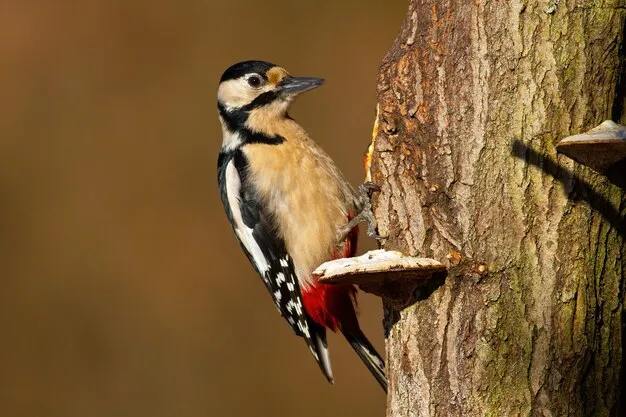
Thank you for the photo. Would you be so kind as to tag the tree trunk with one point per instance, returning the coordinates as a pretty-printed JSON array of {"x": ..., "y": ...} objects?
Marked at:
[{"x": 472, "y": 98}]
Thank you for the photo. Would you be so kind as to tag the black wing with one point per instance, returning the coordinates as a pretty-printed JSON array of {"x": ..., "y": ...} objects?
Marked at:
[{"x": 267, "y": 253}]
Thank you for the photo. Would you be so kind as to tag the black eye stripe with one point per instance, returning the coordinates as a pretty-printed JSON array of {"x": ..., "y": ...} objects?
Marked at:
[{"x": 260, "y": 101}]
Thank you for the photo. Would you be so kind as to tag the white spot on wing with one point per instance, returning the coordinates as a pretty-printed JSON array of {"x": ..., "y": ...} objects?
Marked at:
[
  {"x": 304, "y": 328},
  {"x": 233, "y": 187}
]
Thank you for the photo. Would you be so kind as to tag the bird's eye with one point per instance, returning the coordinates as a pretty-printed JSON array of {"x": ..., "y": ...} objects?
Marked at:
[{"x": 255, "y": 81}]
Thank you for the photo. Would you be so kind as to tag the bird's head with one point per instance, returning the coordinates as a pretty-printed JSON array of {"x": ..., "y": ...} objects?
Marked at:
[{"x": 260, "y": 87}]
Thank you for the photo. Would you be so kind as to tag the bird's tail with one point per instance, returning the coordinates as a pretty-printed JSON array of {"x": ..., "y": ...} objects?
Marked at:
[
  {"x": 319, "y": 347},
  {"x": 332, "y": 306},
  {"x": 367, "y": 353}
]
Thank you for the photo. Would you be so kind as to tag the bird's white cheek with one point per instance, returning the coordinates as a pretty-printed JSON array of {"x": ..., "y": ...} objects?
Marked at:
[{"x": 234, "y": 93}]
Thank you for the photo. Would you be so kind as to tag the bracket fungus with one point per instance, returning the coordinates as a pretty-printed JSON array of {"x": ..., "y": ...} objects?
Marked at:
[
  {"x": 599, "y": 149},
  {"x": 387, "y": 274}
]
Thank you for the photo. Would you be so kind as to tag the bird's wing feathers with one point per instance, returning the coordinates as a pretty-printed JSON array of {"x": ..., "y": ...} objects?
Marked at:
[{"x": 267, "y": 252}]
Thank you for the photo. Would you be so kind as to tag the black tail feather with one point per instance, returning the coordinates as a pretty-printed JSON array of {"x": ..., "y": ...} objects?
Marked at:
[
  {"x": 319, "y": 347},
  {"x": 368, "y": 355}
]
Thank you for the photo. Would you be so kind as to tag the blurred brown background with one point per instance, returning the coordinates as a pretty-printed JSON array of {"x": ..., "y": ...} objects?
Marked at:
[{"x": 124, "y": 292}]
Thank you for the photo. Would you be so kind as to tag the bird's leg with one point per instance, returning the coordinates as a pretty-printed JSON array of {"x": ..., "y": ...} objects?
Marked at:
[{"x": 366, "y": 214}]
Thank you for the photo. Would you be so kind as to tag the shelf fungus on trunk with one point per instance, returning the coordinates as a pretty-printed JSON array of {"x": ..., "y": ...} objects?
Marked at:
[
  {"x": 388, "y": 274},
  {"x": 600, "y": 148}
]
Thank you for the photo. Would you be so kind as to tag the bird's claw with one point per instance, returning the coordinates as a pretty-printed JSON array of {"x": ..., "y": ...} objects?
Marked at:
[
  {"x": 371, "y": 232},
  {"x": 367, "y": 214},
  {"x": 368, "y": 188}
]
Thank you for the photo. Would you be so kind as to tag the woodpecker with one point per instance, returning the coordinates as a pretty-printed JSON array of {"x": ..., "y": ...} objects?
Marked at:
[{"x": 290, "y": 206}]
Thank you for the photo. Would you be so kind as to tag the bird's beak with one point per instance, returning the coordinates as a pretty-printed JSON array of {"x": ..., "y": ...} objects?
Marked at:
[{"x": 294, "y": 85}]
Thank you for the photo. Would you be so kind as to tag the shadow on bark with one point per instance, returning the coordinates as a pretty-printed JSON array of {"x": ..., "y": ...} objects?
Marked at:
[
  {"x": 412, "y": 296},
  {"x": 583, "y": 191},
  {"x": 617, "y": 173},
  {"x": 577, "y": 188},
  {"x": 463, "y": 270}
]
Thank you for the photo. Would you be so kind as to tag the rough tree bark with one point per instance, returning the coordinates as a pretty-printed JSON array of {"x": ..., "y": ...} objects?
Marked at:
[{"x": 472, "y": 98}]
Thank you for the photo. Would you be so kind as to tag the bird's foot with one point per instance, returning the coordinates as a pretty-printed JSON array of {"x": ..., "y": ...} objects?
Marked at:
[{"x": 366, "y": 214}]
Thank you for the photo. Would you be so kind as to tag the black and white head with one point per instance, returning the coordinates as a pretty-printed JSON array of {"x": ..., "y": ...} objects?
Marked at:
[{"x": 252, "y": 94}]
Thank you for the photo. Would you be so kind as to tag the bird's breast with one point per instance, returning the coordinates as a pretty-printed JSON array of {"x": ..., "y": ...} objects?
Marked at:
[{"x": 307, "y": 197}]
